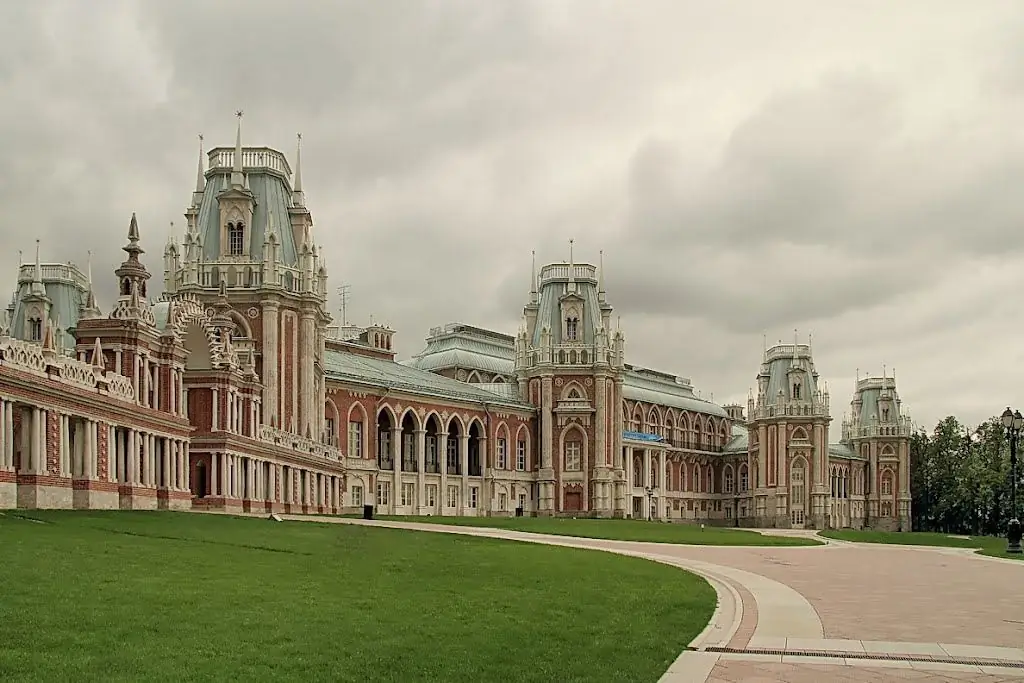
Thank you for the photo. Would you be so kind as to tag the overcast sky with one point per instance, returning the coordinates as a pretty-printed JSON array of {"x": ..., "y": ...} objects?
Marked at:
[{"x": 848, "y": 169}]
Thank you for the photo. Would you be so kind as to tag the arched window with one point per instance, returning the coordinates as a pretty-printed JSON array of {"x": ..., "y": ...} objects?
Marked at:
[
  {"x": 887, "y": 483},
  {"x": 729, "y": 481},
  {"x": 126, "y": 287},
  {"x": 572, "y": 328},
  {"x": 573, "y": 455},
  {"x": 236, "y": 238},
  {"x": 796, "y": 391},
  {"x": 35, "y": 329}
]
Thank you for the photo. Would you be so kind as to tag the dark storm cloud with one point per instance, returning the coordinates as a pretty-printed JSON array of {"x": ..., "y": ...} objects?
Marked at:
[{"x": 850, "y": 167}]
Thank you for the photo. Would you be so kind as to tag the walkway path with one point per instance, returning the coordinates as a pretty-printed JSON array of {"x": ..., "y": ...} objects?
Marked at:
[{"x": 839, "y": 612}]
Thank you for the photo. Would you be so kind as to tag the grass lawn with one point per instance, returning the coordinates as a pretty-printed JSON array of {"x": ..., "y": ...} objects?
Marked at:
[
  {"x": 987, "y": 545},
  {"x": 618, "y": 530},
  {"x": 159, "y": 596}
]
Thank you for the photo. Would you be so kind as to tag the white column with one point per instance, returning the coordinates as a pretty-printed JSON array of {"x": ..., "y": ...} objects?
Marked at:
[
  {"x": 92, "y": 450},
  {"x": 224, "y": 475},
  {"x": 421, "y": 462},
  {"x": 131, "y": 458},
  {"x": 216, "y": 410},
  {"x": 157, "y": 386},
  {"x": 186, "y": 475},
  {"x": 662, "y": 488},
  {"x": 147, "y": 463},
  {"x": 215, "y": 475},
  {"x": 7, "y": 429},
  {"x": 64, "y": 467}
]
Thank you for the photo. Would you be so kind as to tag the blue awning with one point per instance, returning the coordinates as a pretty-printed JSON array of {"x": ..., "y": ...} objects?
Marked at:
[{"x": 641, "y": 436}]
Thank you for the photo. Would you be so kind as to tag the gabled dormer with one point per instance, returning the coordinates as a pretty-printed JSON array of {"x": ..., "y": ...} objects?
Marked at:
[{"x": 236, "y": 204}]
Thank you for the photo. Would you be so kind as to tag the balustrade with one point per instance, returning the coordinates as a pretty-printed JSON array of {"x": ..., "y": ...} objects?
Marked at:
[
  {"x": 295, "y": 442},
  {"x": 30, "y": 357}
]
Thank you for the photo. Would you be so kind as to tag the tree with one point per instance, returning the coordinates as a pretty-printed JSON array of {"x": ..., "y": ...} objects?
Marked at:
[{"x": 960, "y": 478}]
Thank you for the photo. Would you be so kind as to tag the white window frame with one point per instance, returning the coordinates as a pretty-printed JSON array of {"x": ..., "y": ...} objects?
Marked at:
[
  {"x": 573, "y": 456},
  {"x": 355, "y": 439},
  {"x": 521, "y": 455},
  {"x": 502, "y": 454}
]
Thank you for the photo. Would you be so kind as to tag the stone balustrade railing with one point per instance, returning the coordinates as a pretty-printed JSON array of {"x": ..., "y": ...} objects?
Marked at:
[
  {"x": 34, "y": 359},
  {"x": 279, "y": 437}
]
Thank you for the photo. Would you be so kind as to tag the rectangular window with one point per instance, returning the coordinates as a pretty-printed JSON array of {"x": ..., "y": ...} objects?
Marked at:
[
  {"x": 453, "y": 496},
  {"x": 453, "y": 455},
  {"x": 328, "y": 430},
  {"x": 502, "y": 454},
  {"x": 474, "y": 494},
  {"x": 522, "y": 500},
  {"x": 431, "y": 464},
  {"x": 408, "y": 494},
  {"x": 384, "y": 450},
  {"x": 502, "y": 501},
  {"x": 431, "y": 493},
  {"x": 357, "y": 496},
  {"x": 383, "y": 493},
  {"x": 743, "y": 480},
  {"x": 355, "y": 439},
  {"x": 521, "y": 455},
  {"x": 573, "y": 456},
  {"x": 409, "y": 452}
]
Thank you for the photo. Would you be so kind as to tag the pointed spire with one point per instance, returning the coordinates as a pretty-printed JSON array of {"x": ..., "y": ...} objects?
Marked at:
[
  {"x": 5, "y": 323},
  {"x": 88, "y": 269},
  {"x": 572, "y": 268},
  {"x": 600, "y": 274},
  {"x": 533, "y": 273},
  {"x": 236, "y": 170},
  {"x": 297, "y": 195},
  {"x": 37, "y": 275},
  {"x": 197, "y": 196},
  {"x": 97, "y": 355}
]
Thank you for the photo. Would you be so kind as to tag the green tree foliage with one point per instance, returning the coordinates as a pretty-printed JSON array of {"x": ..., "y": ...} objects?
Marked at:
[{"x": 960, "y": 478}]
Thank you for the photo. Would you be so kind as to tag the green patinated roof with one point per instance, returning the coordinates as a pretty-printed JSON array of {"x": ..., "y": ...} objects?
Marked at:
[
  {"x": 377, "y": 372},
  {"x": 842, "y": 450},
  {"x": 639, "y": 387},
  {"x": 740, "y": 441},
  {"x": 66, "y": 288},
  {"x": 273, "y": 198},
  {"x": 551, "y": 292},
  {"x": 464, "y": 346}
]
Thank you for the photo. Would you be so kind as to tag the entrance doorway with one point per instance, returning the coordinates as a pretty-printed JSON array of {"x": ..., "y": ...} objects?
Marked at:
[{"x": 573, "y": 501}]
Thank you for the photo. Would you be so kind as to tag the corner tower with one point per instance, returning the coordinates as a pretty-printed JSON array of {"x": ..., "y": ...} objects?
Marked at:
[
  {"x": 788, "y": 433},
  {"x": 879, "y": 432},
  {"x": 249, "y": 233},
  {"x": 570, "y": 364}
]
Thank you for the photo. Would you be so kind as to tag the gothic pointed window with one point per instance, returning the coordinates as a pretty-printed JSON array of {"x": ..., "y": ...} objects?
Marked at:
[
  {"x": 572, "y": 329},
  {"x": 236, "y": 235},
  {"x": 885, "y": 414},
  {"x": 35, "y": 329},
  {"x": 796, "y": 391},
  {"x": 573, "y": 456}
]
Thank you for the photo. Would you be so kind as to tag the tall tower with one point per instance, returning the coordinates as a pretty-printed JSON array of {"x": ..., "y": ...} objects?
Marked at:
[
  {"x": 249, "y": 232},
  {"x": 789, "y": 423},
  {"x": 879, "y": 432},
  {"x": 570, "y": 365}
]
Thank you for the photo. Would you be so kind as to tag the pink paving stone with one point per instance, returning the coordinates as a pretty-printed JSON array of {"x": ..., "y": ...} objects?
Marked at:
[
  {"x": 756, "y": 672},
  {"x": 878, "y": 592}
]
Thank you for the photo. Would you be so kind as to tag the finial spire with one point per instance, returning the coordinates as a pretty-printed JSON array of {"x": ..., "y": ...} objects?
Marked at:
[
  {"x": 236, "y": 170},
  {"x": 297, "y": 188},
  {"x": 600, "y": 272},
  {"x": 533, "y": 273},
  {"x": 200, "y": 178},
  {"x": 572, "y": 268},
  {"x": 88, "y": 268},
  {"x": 37, "y": 275}
]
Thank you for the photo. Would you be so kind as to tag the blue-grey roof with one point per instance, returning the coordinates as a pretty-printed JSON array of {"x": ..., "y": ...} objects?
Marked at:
[
  {"x": 787, "y": 362},
  {"x": 638, "y": 385},
  {"x": 740, "y": 441},
  {"x": 66, "y": 287},
  {"x": 463, "y": 346},
  {"x": 273, "y": 198},
  {"x": 843, "y": 450},
  {"x": 377, "y": 372},
  {"x": 554, "y": 285}
]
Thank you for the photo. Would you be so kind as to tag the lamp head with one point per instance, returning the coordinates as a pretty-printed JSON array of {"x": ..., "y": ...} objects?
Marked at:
[{"x": 1007, "y": 418}]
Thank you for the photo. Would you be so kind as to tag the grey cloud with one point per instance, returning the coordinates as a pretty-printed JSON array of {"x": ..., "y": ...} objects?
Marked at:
[{"x": 744, "y": 167}]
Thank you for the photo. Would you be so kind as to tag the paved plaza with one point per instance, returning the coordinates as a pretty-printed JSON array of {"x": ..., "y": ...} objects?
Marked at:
[{"x": 838, "y": 612}]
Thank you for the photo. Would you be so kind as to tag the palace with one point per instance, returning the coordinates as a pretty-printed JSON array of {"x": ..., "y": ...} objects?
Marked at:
[{"x": 233, "y": 390}]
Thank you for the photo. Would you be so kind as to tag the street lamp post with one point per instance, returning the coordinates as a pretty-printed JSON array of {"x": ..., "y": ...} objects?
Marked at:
[
  {"x": 650, "y": 496},
  {"x": 1013, "y": 422}
]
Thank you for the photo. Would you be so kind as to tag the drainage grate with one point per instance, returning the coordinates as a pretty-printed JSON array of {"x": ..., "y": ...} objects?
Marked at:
[{"x": 883, "y": 656}]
